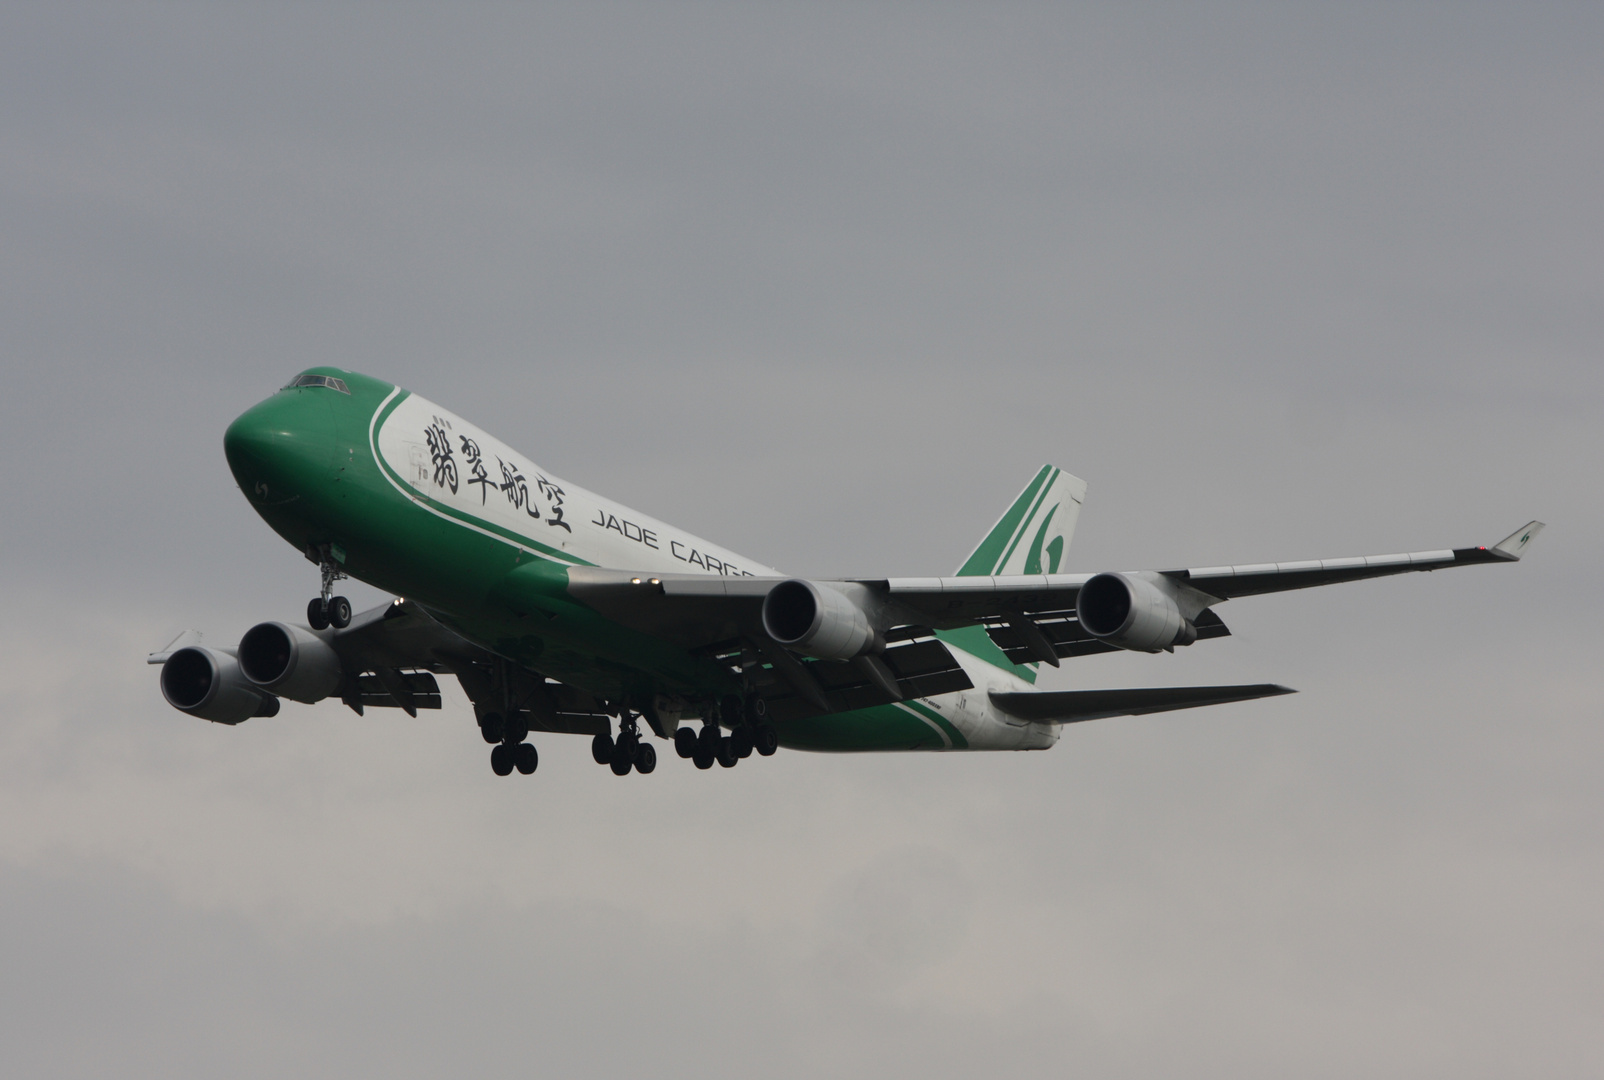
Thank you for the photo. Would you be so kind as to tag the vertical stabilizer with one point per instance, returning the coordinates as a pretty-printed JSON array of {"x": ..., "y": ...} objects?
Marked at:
[{"x": 1033, "y": 535}]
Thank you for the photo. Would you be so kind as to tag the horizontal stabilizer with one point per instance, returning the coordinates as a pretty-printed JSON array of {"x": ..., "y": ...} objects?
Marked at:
[{"x": 1073, "y": 706}]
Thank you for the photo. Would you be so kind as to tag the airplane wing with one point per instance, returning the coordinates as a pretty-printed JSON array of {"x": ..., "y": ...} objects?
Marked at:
[
  {"x": 392, "y": 653},
  {"x": 965, "y": 600},
  {"x": 1030, "y": 617},
  {"x": 1073, "y": 706}
]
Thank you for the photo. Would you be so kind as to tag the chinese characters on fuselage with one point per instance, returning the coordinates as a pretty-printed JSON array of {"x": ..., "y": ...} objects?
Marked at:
[
  {"x": 445, "y": 466},
  {"x": 513, "y": 483}
]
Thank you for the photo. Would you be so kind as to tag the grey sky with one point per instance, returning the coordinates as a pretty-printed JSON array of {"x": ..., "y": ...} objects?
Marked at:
[{"x": 826, "y": 286}]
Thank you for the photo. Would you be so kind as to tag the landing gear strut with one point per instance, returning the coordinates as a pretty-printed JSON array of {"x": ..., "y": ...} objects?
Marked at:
[{"x": 326, "y": 609}]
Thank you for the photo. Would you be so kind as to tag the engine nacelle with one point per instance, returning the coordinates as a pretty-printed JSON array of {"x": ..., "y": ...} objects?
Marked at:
[
  {"x": 1132, "y": 613},
  {"x": 290, "y": 661},
  {"x": 211, "y": 685},
  {"x": 815, "y": 620}
]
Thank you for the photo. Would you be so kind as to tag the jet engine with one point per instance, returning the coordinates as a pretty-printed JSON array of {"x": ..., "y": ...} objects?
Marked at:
[
  {"x": 820, "y": 622},
  {"x": 211, "y": 686},
  {"x": 1132, "y": 613},
  {"x": 290, "y": 661}
]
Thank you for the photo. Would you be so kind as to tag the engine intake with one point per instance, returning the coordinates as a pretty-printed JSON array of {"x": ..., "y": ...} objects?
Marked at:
[
  {"x": 1132, "y": 613},
  {"x": 290, "y": 661},
  {"x": 820, "y": 622},
  {"x": 211, "y": 686}
]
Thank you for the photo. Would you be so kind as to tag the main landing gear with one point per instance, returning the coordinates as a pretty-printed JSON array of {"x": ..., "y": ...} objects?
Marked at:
[
  {"x": 749, "y": 730},
  {"x": 628, "y": 751},
  {"x": 510, "y": 751},
  {"x": 326, "y": 609}
]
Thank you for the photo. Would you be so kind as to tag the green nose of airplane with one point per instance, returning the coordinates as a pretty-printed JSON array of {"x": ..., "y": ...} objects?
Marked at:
[{"x": 283, "y": 449}]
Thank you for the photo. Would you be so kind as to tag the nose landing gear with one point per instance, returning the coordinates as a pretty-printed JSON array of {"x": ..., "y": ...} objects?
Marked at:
[{"x": 326, "y": 609}]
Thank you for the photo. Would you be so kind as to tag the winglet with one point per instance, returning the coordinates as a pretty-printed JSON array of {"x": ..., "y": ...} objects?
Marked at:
[
  {"x": 184, "y": 640},
  {"x": 1514, "y": 545}
]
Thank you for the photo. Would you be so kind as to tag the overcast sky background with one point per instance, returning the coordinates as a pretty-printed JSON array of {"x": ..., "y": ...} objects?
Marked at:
[{"x": 826, "y": 286}]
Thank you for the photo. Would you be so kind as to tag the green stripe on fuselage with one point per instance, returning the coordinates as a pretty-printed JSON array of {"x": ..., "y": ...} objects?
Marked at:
[{"x": 954, "y": 736}]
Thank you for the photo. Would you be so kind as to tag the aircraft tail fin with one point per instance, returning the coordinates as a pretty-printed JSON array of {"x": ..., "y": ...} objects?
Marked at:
[{"x": 1033, "y": 534}]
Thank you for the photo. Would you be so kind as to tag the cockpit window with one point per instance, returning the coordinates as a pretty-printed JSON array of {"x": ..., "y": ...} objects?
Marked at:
[{"x": 318, "y": 380}]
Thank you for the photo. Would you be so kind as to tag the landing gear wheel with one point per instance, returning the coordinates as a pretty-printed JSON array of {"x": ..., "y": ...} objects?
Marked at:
[
  {"x": 526, "y": 758},
  {"x": 623, "y": 759},
  {"x": 515, "y": 729},
  {"x": 741, "y": 740},
  {"x": 709, "y": 738},
  {"x": 645, "y": 758},
  {"x": 501, "y": 760},
  {"x": 339, "y": 613},
  {"x": 601, "y": 748},
  {"x": 727, "y": 756},
  {"x": 317, "y": 615},
  {"x": 491, "y": 727},
  {"x": 765, "y": 739},
  {"x": 702, "y": 759},
  {"x": 684, "y": 742}
]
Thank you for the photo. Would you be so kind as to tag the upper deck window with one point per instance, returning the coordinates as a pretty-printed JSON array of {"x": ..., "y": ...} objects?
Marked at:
[{"x": 318, "y": 380}]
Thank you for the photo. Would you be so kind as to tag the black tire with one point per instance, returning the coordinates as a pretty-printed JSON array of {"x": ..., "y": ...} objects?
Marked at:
[
  {"x": 727, "y": 756},
  {"x": 490, "y": 724},
  {"x": 766, "y": 740},
  {"x": 515, "y": 729},
  {"x": 629, "y": 740},
  {"x": 756, "y": 710},
  {"x": 645, "y": 758},
  {"x": 702, "y": 759},
  {"x": 684, "y": 742},
  {"x": 489, "y": 736},
  {"x": 709, "y": 738},
  {"x": 317, "y": 616},
  {"x": 526, "y": 757},
  {"x": 601, "y": 748},
  {"x": 339, "y": 612},
  {"x": 501, "y": 759},
  {"x": 623, "y": 759},
  {"x": 741, "y": 740}
]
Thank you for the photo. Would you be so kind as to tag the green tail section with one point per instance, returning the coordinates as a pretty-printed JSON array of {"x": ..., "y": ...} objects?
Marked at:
[
  {"x": 1034, "y": 533},
  {"x": 1031, "y": 537}
]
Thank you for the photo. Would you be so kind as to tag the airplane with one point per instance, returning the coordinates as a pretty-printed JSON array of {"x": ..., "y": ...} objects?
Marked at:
[{"x": 558, "y": 610}]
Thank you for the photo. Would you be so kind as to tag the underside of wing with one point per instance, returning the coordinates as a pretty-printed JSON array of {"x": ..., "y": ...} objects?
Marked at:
[
  {"x": 859, "y": 642},
  {"x": 1073, "y": 706}
]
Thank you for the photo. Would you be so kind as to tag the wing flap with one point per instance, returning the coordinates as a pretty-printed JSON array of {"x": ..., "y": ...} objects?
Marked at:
[{"x": 1074, "y": 706}]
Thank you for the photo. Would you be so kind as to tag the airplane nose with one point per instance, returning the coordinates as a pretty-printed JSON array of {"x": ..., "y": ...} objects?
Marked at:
[{"x": 283, "y": 447}]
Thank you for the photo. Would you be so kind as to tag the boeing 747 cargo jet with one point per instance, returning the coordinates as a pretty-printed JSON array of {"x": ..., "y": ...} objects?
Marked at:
[{"x": 560, "y": 611}]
